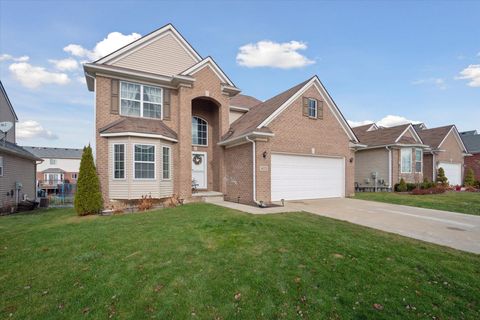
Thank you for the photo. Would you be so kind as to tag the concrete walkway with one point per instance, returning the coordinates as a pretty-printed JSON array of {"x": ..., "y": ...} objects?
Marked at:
[{"x": 455, "y": 230}]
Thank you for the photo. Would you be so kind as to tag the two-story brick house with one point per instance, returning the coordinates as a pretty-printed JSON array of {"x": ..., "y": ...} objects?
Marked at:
[{"x": 166, "y": 118}]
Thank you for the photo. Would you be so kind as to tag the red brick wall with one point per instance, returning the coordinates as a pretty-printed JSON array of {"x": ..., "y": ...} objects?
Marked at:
[
  {"x": 473, "y": 162},
  {"x": 239, "y": 178}
]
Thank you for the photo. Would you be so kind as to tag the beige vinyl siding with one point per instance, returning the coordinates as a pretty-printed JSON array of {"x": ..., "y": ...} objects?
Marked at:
[
  {"x": 234, "y": 115},
  {"x": 163, "y": 56},
  {"x": 6, "y": 114},
  {"x": 16, "y": 169},
  {"x": 131, "y": 188},
  {"x": 368, "y": 161}
]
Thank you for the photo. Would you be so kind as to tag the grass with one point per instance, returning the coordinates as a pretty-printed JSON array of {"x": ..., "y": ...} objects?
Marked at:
[
  {"x": 464, "y": 202},
  {"x": 200, "y": 261}
]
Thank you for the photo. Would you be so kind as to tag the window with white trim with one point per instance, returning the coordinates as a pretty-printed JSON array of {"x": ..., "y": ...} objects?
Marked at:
[
  {"x": 166, "y": 162},
  {"x": 140, "y": 100},
  {"x": 406, "y": 160},
  {"x": 144, "y": 161},
  {"x": 119, "y": 161},
  {"x": 418, "y": 160},
  {"x": 1, "y": 166},
  {"x": 75, "y": 176},
  {"x": 312, "y": 108},
  {"x": 53, "y": 161},
  {"x": 199, "y": 131}
]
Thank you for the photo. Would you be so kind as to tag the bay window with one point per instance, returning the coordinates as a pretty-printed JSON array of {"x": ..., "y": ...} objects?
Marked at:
[
  {"x": 140, "y": 100},
  {"x": 119, "y": 161},
  {"x": 166, "y": 163},
  {"x": 418, "y": 160},
  {"x": 406, "y": 160}
]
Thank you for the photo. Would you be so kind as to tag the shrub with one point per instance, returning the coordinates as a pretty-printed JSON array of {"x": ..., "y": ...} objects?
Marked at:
[
  {"x": 441, "y": 178},
  {"x": 88, "y": 198},
  {"x": 427, "y": 184},
  {"x": 402, "y": 186},
  {"x": 469, "y": 178},
  {"x": 146, "y": 203},
  {"x": 432, "y": 190}
]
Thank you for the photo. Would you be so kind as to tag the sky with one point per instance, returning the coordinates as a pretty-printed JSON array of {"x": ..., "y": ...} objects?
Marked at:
[{"x": 387, "y": 62}]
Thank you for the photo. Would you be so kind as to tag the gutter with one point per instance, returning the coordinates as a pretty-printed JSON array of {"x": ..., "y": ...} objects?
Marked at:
[
  {"x": 247, "y": 135},
  {"x": 254, "y": 171}
]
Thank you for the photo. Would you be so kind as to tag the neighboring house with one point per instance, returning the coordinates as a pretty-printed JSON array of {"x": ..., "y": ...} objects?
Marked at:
[
  {"x": 446, "y": 151},
  {"x": 17, "y": 166},
  {"x": 471, "y": 140},
  {"x": 390, "y": 154},
  {"x": 60, "y": 165},
  {"x": 166, "y": 118}
]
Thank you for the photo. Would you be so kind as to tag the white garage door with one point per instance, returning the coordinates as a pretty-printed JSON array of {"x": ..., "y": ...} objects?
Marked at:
[
  {"x": 307, "y": 177},
  {"x": 453, "y": 172}
]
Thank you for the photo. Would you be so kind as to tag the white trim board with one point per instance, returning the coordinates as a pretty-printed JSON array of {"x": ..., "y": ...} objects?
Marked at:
[
  {"x": 457, "y": 137},
  {"x": 324, "y": 94},
  {"x": 208, "y": 62},
  {"x": 412, "y": 129},
  {"x": 137, "y": 134}
]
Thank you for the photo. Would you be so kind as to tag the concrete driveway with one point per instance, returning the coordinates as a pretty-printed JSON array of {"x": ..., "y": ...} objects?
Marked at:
[{"x": 456, "y": 230}]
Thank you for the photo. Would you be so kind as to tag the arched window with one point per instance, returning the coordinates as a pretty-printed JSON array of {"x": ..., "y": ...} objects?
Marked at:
[{"x": 199, "y": 131}]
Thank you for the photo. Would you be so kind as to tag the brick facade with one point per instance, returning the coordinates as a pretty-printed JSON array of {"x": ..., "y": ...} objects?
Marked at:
[{"x": 473, "y": 162}]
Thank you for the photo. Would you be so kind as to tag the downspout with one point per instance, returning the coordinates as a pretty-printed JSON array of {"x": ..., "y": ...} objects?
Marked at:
[
  {"x": 389, "y": 166},
  {"x": 254, "y": 172},
  {"x": 434, "y": 167}
]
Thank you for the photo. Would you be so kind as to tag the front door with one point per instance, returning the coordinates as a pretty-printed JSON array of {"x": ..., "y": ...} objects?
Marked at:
[{"x": 199, "y": 169}]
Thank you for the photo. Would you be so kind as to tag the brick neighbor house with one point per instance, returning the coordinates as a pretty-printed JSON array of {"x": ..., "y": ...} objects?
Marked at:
[
  {"x": 391, "y": 153},
  {"x": 167, "y": 119},
  {"x": 471, "y": 139},
  {"x": 17, "y": 165},
  {"x": 446, "y": 151}
]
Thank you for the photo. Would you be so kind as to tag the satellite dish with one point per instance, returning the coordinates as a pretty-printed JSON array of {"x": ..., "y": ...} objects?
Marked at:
[{"x": 5, "y": 126}]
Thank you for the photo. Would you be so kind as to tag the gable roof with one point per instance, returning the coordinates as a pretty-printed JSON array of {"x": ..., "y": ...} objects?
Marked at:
[
  {"x": 472, "y": 142},
  {"x": 468, "y": 133},
  {"x": 208, "y": 61},
  {"x": 386, "y": 135},
  {"x": 55, "y": 153},
  {"x": 147, "y": 38},
  {"x": 259, "y": 116},
  {"x": 434, "y": 137},
  {"x": 365, "y": 127},
  {"x": 127, "y": 125},
  {"x": 243, "y": 101},
  {"x": 17, "y": 150},
  {"x": 4, "y": 93}
]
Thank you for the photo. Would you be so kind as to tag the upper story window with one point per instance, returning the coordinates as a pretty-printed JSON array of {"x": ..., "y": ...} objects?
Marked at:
[
  {"x": 75, "y": 176},
  {"x": 312, "y": 108},
  {"x": 140, "y": 100},
  {"x": 199, "y": 131},
  {"x": 144, "y": 161},
  {"x": 53, "y": 161},
  {"x": 1, "y": 166},
  {"x": 406, "y": 160},
  {"x": 418, "y": 160}
]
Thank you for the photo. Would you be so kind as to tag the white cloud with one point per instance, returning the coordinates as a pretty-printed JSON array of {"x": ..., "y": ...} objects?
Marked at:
[
  {"x": 33, "y": 77},
  {"x": 67, "y": 64},
  {"x": 7, "y": 57},
  {"x": 273, "y": 54},
  {"x": 438, "y": 82},
  {"x": 471, "y": 73},
  {"x": 387, "y": 121},
  {"x": 113, "y": 41},
  {"x": 32, "y": 129},
  {"x": 358, "y": 123}
]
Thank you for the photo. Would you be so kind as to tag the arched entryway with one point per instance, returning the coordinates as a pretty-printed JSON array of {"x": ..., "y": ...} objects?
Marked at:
[{"x": 206, "y": 154}]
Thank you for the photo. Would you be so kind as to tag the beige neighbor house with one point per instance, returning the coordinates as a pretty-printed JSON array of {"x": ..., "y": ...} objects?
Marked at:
[
  {"x": 167, "y": 119},
  {"x": 17, "y": 166},
  {"x": 391, "y": 154},
  {"x": 446, "y": 150}
]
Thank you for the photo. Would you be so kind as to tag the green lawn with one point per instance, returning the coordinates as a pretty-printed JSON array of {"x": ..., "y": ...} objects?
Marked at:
[
  {"x": 201, "y": 261},
  {"x": 464, "y": 202}
]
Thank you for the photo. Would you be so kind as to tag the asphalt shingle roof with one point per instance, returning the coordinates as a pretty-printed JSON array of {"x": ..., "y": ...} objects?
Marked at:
[
  {"x": 472, "y": 142},
  {"x": 244, "y": 101},
  {"x": 382, "y": 136},
  {"x": 139, "y": 125},
  {"x": 55, "y": 153},
  {"x": 434, "y": 136},
  {"x": 18, "y": 150}
]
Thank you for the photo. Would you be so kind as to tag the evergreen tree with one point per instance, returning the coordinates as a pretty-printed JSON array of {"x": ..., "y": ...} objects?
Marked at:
[
  {"x": 402, "y": 186},
  {"x": 469, "y": 178},
  {"x": 88, "y": 198},
  {"x": 441, "y": 178}
]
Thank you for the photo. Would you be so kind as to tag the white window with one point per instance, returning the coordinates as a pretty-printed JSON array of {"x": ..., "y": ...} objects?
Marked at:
[
  {"x": 406, "y": 160},
  {"x": 1, "y": 166},
  {"x": 53, "y": 161},
  {"x": 166, "y": 163},
  {"x": 75, "y": 176},
  {"x": 140, "y": 100},
  {"x": 418, "y": 160},
  {"x": 144, "y": 161},
  {"x": 312, "y": 108},
  {"x": 119, "y": 161},
  {"x": 199, "y": 131}
]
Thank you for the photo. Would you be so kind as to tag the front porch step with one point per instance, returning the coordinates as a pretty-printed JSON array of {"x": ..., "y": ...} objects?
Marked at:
[{"x": 208, "y": 196}]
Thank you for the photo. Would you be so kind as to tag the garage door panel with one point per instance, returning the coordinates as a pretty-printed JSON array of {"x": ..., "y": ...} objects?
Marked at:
[
  {"x": 306, "y": 177},
  {"x": 453, "y": 172}
]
